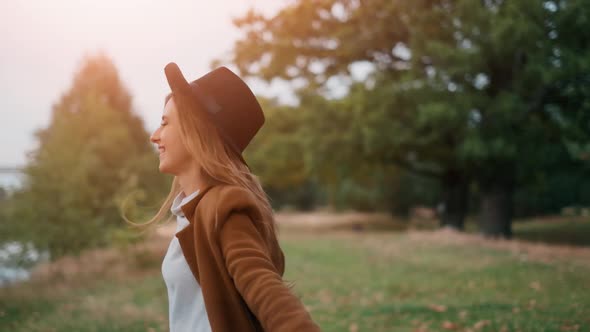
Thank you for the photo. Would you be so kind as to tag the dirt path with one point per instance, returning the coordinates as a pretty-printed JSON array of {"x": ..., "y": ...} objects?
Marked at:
[{"x": 525, "y": 250}]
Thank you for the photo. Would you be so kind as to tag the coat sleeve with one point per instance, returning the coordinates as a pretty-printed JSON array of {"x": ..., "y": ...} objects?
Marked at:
[{"x": 257, "y": 279}]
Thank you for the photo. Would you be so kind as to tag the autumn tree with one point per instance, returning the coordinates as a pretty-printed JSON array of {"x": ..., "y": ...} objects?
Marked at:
[{"x": 93, "y": 153}]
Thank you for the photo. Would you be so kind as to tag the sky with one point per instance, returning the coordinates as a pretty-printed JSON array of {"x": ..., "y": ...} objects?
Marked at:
[{"x": 43, "y": 43}]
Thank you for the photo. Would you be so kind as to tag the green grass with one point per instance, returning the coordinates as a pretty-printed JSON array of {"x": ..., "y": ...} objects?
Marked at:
[
  {"x": 393, "y": 283},
  {"x": 362, "y": 281},
  {"x": 100, "y": 305}
]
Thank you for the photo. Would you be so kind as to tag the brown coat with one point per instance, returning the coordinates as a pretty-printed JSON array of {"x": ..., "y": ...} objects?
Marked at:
[{"x": 240, "y": 273}]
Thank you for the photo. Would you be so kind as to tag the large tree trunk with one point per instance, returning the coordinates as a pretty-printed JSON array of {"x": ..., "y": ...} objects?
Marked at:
[
  {"x": 455, "y": 194},
  {"x": 496, "y": 208}
]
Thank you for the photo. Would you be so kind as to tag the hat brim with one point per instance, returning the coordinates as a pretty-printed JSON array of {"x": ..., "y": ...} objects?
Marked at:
[{"x": 176, "y": 80}]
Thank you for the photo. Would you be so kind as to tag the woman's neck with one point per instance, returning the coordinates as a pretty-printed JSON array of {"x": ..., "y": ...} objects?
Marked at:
[{"x": 190, "y": 181}]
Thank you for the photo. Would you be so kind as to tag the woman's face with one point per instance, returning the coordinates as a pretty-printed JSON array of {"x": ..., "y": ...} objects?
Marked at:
[{"x": 174, "y": 157}]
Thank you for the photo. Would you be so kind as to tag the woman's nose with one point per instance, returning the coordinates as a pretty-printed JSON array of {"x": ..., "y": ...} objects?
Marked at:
[{"x": 153, "y": 137}]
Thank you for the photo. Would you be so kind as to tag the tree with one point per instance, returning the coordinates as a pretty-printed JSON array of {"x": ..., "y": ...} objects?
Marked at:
[
  {"x": 459, "y": 89},
  {"x": 276, "y": 155},
  {"x": 93, "y": 153}
]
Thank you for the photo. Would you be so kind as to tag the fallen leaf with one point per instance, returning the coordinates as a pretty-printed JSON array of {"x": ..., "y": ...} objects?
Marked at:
[
  {"x": 575, "y": 327},
  {"x": 422, "y": 328},
  {"x": 379, "y": 296},
  {"x": 449, "y": 325},
  {"x": 532, "y": 304},
  {"x": 479, "y": 325},
  {"x": 438, "y": 307},
  {"x": 535, "y": 285},
  {"x": 463, "y": 314}
]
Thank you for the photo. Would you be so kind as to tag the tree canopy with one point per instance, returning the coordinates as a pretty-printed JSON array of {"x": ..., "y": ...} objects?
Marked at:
[
  {"x": 93, "y": 153},
  {"x": 459, "y": 90}
]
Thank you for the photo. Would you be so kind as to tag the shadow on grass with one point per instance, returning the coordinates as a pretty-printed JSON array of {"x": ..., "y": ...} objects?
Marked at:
[{"x": 567, "y": 231}]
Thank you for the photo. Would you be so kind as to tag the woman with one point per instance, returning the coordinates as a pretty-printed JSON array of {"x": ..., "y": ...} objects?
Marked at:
[{"x": 223, "y": 269}]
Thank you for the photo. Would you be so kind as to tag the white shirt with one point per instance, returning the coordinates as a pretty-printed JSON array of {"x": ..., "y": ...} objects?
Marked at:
[{"x": 186, "y": 305}]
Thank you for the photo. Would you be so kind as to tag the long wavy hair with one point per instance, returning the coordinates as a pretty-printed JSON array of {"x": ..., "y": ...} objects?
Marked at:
[{"x": 218, "y": 163}]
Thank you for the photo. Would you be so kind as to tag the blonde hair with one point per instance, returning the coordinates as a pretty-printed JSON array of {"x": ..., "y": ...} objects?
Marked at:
[{"x": 218, "y": 163}]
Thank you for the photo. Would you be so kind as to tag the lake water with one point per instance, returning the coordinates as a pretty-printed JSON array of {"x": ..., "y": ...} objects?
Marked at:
[
  {"x": 11, "y": 180},
  {"x": 14, "y": 254},
  {"x": 15, "y": 261}
]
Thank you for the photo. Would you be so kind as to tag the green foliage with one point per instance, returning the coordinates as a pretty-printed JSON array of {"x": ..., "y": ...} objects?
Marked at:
[
  {"x": 94, "y": 152},
  {"x": 554, "y": 178},
  {"x": 297, "y": 171},
  {"x": 457, "y": 87},
  {"x": 276, "y": 150}
]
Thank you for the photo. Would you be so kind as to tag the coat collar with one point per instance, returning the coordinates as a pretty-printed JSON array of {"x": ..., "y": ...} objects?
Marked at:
[{"x": 189, "y": 208}]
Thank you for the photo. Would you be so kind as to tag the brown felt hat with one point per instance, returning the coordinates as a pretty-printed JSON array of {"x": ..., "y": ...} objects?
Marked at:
[{"x": 226, "y": 100}]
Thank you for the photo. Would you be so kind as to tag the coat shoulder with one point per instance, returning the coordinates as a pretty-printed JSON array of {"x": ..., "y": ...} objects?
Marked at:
[{"x": 227, "y": 199}]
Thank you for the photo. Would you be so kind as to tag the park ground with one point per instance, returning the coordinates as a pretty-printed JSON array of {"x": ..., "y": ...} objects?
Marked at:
[{"x": 353, "y": 272}]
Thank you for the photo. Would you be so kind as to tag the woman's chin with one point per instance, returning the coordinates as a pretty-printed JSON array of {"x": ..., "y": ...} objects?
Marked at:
[{"x": 163, "y": 168}]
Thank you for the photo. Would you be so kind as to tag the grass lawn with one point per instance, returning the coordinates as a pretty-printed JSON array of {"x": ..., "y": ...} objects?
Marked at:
[
  {"x": 350, "y": 281},
  {"x": 434, "y": 282}
]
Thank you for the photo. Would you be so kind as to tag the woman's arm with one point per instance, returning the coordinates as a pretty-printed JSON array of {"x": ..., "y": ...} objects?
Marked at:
[{"x": 257, "y": 279}]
